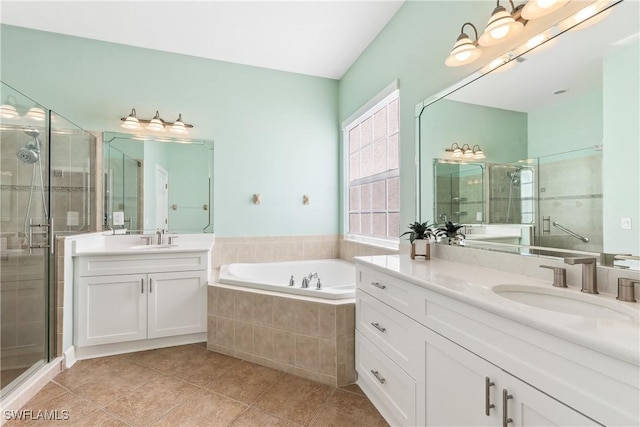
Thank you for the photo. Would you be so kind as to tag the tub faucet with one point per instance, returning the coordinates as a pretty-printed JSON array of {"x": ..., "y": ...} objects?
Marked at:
[
  {"x": 589, "y": 276},
  {"x": 309, "y": 278}
]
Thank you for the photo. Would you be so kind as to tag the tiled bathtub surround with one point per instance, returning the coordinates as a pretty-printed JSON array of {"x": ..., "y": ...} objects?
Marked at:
[
  {"x": 229, "y": 250},
  {"x": 314, "y": 340}
]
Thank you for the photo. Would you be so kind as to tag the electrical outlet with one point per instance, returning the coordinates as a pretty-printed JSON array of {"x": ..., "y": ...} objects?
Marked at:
[{"x": 625, "y": 223}]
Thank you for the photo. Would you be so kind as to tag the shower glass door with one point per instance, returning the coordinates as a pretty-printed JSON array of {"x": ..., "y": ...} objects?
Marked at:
[{"x": 24, "y": 237}]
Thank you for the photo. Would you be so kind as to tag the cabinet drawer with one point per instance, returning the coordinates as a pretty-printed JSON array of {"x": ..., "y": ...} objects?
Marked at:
[
  {"x": 129, "y": 264},
  {"x": 391, "y": 331},
  {"x": 390, "y": 388},
  {"x": 396, "y": 293}
]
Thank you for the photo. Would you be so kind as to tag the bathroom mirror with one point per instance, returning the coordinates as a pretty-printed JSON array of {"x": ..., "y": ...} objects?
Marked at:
[
  {"x": 559, "y": 128},
  {"x": 153, "y": 183}
]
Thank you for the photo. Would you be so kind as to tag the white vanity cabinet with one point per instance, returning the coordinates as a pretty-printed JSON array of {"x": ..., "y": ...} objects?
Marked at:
[
  {"x": 464, "y": 389},
  {"x": 121, "y": 298},
  {"x": 424, "y": 358}
]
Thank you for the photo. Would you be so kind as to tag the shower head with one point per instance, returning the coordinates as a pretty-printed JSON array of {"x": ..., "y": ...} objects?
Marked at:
[
  {"x": 27, "y": 155},
  {"x": 31, "y": 152},
  {"x": 33, "y": 133},
  {"x": 514, "y": 176}
]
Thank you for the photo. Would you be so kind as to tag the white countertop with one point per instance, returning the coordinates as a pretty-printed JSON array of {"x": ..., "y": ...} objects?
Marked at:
[
  {"x": 108, "y": 244},
  {"x": 473, "y": 285}
]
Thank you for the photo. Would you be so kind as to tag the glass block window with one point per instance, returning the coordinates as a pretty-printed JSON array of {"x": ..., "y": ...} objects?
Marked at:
[{"x": 372, "y": 168}]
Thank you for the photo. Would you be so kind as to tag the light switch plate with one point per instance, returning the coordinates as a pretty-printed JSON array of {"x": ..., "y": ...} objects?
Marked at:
[{"x": 625, "y": 223}]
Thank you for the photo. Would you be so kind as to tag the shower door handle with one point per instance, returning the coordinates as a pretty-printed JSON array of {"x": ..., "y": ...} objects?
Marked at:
[{"x": 31, "y": 227}]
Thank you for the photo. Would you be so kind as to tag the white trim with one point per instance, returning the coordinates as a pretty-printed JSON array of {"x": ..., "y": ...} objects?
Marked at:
[
  {"x": 70, "y": 357},
  {"x": 32, "y": 385},
  {"x": 393, "y": 244},
  {"x": 382, "y": 99},
  {"x": 373, "y": 102}
]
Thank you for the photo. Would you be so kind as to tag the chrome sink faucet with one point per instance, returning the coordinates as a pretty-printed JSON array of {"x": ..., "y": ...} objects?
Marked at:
[
  {"x": 159, "y": 233},
  {"x": 589, "y": 277}
]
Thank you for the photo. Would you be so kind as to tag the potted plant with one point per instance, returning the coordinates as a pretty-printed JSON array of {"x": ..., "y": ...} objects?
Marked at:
[
  {"x": 449, "y": 232},
  {"x": 420, "y": 235}
]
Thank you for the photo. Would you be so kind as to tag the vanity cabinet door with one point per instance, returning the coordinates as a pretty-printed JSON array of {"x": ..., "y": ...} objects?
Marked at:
[
  {"x": 177, "y": 303},
  {"x": 460, "y": 386},
  {"x": 111, "y": 309},
  {"x": 528, "y": 406}
]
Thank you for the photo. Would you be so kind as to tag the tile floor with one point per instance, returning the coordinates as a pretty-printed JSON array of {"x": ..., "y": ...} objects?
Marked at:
[{"x": 191, "y": 386}]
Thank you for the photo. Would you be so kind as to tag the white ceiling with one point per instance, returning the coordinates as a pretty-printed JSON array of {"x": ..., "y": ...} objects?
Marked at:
[{"x": 319, "y": 38}]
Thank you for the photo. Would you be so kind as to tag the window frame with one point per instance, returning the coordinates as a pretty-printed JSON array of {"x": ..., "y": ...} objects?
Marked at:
[{"x": 382, "y": 99}]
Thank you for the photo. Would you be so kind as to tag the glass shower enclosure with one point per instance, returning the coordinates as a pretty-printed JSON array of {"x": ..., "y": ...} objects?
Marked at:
[{"x": 47, "y": 190}]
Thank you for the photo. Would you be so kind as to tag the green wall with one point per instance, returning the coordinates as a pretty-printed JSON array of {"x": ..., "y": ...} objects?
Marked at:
[
  {"x": 275, "y": 132},
  {"x": 572, "y": 123},
  {"x": 621, "y": 156},
  {"x": 441, "y": 126}
]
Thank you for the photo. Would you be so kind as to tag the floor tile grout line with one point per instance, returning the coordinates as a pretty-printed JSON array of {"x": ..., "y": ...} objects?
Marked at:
[{"x": 322, "y": 408}]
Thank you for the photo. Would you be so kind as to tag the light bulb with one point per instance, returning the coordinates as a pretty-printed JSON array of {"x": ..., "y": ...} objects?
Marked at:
[{"x": 499, "y": 32}]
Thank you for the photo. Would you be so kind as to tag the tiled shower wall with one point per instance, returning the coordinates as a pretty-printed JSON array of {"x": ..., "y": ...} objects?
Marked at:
[{"x": 574, "y": 200}]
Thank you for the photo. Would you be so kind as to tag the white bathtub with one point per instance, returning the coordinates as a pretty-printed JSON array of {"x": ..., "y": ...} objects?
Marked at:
[{"x": 338, "y": 277}]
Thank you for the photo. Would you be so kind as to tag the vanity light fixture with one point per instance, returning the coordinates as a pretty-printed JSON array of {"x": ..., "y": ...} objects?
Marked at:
[
  {"x": 156, "y": 124},
  {"x": 535, "y": 9},
  {"x": 502, "y": 25},
  {"x": 465, "y": 151},
  {"x": 464, "y": 50}
]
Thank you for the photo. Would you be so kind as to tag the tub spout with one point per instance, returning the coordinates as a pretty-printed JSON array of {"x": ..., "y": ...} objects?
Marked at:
[{"x": 305, "y": 282}]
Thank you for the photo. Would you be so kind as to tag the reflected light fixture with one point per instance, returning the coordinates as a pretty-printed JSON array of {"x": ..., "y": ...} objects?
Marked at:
[
  {"x": 36, "y": 113},
  {"x": 8, "y": 109},
  {"x": 464, "y": 50},
  {"x": 131, "y": 122},
  {"x": 156, "y": 124},
  {"x": 465, "y": 151},
  {"x": 535, "y": 9},
  {"x": 502, "y": 25}
]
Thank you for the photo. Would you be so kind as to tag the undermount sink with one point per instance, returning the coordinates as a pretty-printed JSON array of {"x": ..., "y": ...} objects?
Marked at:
[
  {"x": 152, "y": 247},
  {"x": 567, "y": 302}
]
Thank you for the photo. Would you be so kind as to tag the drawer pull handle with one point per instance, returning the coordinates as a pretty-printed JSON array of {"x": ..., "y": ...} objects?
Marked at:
[
  {"x": 487, "y": 396},
  {"x": 378, "y": 327},
  {"x": 378, "y": 285},
  {"x": 505, "y": 410},
  {"x": 378, "y": 376},
  {"x": 150, "y": 285},
  {"x": 142, "y": 286}
]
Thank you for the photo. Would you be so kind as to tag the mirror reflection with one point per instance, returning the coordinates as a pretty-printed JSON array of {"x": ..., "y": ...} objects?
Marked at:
[
  {"x": 559, "y": 130},
  {"x": 157, "y": 183}
]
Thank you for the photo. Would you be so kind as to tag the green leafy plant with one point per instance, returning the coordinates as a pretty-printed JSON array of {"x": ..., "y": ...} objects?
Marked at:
[
  {"x": 419, "y": 231},
  {"x": 450, "y": 230}
]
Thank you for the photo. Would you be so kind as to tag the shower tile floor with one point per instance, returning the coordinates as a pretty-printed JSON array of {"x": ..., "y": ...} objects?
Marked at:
[{"x": 191, "y": 386}]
